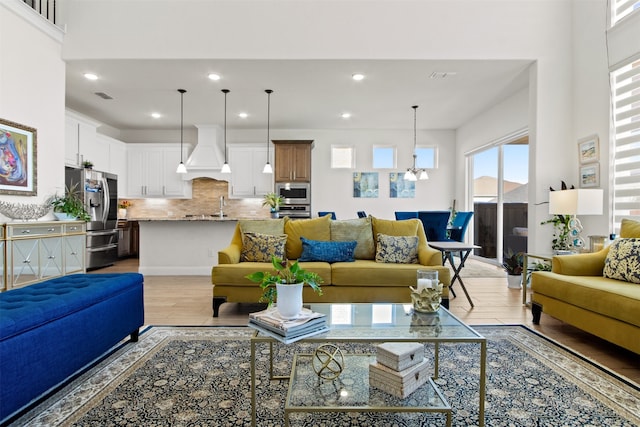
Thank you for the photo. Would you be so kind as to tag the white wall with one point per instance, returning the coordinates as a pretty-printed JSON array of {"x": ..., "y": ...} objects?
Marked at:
[
  {"x": 32, "y": 77},
  {"x": 482, "y": 29},
  {"x": 563, "y": 37}
]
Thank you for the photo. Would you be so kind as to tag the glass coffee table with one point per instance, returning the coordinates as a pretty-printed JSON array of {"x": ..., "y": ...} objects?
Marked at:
[
  {"x": 351, "y": 392},
  {"x": 382, "y": 322}
]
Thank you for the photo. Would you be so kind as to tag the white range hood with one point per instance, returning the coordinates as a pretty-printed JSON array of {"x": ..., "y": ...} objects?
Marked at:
[{"x": 207, "y": 157}]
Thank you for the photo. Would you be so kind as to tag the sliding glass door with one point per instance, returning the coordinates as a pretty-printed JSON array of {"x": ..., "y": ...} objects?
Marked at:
[{"x": 499, "y": 191}]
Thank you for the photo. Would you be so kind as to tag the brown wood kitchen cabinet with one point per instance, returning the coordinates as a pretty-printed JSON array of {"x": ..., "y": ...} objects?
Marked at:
[{"x": 292, "y": 160}]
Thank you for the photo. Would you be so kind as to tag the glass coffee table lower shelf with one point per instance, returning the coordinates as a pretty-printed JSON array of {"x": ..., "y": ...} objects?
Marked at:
[{"x": 350, "y": 392}]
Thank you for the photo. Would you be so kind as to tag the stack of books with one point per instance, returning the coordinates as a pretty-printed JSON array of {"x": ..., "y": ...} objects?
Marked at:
[{"x": 308, "y": 323}]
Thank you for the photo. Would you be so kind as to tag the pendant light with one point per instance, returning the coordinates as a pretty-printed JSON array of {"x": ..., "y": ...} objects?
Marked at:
[
  {"x": 267, "y": 166},
  {"x": 414, "y": 174},
  {"x": 181, "y": 167},
  {"x": 225, "y": 167}
]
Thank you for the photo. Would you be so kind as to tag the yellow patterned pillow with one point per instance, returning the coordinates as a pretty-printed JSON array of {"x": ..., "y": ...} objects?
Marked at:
[
  {"x": 623, "y": 261},
  {"x": 397, "y": 249},
  {"x": 257, "y": 247}
]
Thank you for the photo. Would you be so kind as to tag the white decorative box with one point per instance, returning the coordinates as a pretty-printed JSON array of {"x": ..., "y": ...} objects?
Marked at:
[
  {"x": 400, "y": 355},
  {"x": 398, "y": 383}
]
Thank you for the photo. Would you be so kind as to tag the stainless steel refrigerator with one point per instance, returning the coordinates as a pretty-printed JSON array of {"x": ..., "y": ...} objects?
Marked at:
[{"x": 100, "y": 194}]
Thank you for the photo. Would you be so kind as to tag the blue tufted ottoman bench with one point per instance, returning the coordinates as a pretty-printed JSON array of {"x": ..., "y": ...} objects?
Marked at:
[{"x": 52, "y": 329}]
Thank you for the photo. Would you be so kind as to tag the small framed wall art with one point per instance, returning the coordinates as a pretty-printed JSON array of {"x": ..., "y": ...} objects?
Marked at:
[
  {"x": 590, "y": 175},
  {"x": 589, "y": 149},
  {"x": 401, "y": 188},
  {"x": 365, "y": 184},
  {"x": 17, "y": 159}
]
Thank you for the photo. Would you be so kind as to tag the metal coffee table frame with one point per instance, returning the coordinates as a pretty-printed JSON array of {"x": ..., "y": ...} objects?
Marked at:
[
  {"x": 356, "y": 395},
  {"x": 404, "y": 325}
]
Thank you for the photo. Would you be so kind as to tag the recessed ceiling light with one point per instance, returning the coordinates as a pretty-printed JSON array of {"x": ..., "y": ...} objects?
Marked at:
[
  {"x": 345, "y": 115},
  {"x": 357, "y": 76},
  {"x": 243, "y": 115},
  {"x": 215, "y": 77},
  {"x": 156, "y": 115},
  {"x": 90, "y": 76}
]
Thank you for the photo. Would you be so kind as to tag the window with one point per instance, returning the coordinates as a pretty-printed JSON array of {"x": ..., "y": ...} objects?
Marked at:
[
  {"x": 427, "y": 157},
  {"x": 622, "y": 8},
  {"x": 384, "y": 157},
  {"x": 343, "y": 156},
  {"x": 626, "y": 144}
]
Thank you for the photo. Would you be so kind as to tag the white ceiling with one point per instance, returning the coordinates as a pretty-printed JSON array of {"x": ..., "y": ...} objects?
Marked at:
[{"x": 308, "y": 94}]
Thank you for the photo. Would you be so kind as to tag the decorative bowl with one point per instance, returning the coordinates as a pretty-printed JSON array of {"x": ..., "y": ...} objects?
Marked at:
[
  {"x": 62, "y": 216},
  {"x": 26, "y": 211}
]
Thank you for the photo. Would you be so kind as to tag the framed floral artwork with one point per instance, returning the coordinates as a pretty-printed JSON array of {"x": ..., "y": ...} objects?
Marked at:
[
  {"x": 365, "y": 184},
  {"x": 400, "y": 188},
  {"x": 588, "y": 149},
  {"x": 18, "y": 167}
]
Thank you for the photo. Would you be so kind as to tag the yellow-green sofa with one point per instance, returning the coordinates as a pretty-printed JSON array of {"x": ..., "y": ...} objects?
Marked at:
[
  {"x": 363, "y": 280},
  {"x": 576, "y": 292}
]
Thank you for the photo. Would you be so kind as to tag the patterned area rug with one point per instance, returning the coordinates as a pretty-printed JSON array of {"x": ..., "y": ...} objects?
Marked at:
[{"x": 199, "y": 376}]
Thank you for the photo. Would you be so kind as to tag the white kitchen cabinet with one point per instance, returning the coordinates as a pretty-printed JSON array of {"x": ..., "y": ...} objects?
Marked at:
[
  {"x": 43, "y": 250},
  {"x": 81, "y": 143},
  {"x": 246, "y": 162},
  {"x": 151, "y": 172}
]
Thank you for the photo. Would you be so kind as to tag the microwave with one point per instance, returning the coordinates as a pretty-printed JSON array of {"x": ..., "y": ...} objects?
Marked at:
[{"x": 294, "y": 193}]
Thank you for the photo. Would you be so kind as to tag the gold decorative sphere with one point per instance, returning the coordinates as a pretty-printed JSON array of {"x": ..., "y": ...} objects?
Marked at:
[{"x": 328, "y": 361}]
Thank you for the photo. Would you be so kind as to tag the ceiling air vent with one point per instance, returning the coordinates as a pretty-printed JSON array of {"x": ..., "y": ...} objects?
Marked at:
[{"x": 103, "y": 95}]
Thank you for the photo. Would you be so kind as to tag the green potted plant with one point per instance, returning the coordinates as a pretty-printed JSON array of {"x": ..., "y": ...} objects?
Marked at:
[
  {"x": 561, "y": 240},
  {"x": 513, "y": 265},
  {"x": 285, "y": 285},
  {"x": 70, "y": 206},
  {"x": 87, "y": 164},
  {"x": 273, "y": 201}
]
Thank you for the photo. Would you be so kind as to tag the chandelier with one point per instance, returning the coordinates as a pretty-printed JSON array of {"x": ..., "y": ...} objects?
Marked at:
[{"x": 413, "y": 173}]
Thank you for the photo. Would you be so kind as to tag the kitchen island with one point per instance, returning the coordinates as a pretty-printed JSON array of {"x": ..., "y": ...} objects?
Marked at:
[{"x": 182, "y": 246}]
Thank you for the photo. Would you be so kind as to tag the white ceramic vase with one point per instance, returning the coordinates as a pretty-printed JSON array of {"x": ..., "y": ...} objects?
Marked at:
[
  {"x": 289, "y": 300},
  {"x": 513, "y": 281}
]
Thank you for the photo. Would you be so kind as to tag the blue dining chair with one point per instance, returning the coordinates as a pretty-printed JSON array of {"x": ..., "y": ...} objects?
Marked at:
[
  {"x": 406, "y": 215},
  {"x": 333, "y": 214},
  {"x": 459, "y": 226},
  {"x": 435, "y": 224},
  {"x": 362, "y": 214}
]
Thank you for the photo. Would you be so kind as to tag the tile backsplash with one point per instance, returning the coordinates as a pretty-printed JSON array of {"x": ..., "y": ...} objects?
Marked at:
[{"x": 205, "y": 201}]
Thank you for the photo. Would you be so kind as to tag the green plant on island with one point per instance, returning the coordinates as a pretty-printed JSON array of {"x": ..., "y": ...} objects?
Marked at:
[
  {"x": 71, "y": 203},
  {"x": 285, "y": 273},
  {"x": 273, "y": 201}
]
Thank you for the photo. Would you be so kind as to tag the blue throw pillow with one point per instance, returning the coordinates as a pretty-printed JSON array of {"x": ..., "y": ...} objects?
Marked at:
[{"x": 327, "y": 251}]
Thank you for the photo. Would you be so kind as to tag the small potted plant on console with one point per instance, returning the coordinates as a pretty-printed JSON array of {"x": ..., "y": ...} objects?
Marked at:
[{"x": 273, "y": 201}]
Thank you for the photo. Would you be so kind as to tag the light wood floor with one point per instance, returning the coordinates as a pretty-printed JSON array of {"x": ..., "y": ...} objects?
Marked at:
[{"x": 186, "y": 301}]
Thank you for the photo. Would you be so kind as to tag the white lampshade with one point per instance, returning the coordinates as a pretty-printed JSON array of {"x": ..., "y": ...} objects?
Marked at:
[
  {"x": 225, "y": 168},
  {"x": 576, "y": 202},
  {"x": 423, "y": 175},
  {"x": 181, "y": 168},
  {"x": 267, "y": 168},
  {"x": 410, "y": 176}
]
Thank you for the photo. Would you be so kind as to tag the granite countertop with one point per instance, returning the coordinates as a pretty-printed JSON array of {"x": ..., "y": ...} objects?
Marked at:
[{"x": 188, "y": 218}]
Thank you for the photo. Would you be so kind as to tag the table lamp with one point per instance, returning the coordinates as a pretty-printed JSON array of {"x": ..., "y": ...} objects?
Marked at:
[{"x": 576, "y": 202}]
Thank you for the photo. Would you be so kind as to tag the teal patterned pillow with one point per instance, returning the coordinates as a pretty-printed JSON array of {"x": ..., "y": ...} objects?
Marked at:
[
  {"x": 623, "y": 261},
  {"x": 257, "y": 247},
  {"x": 327, "y": 251},
  {"x": 397, "y": 249}
]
